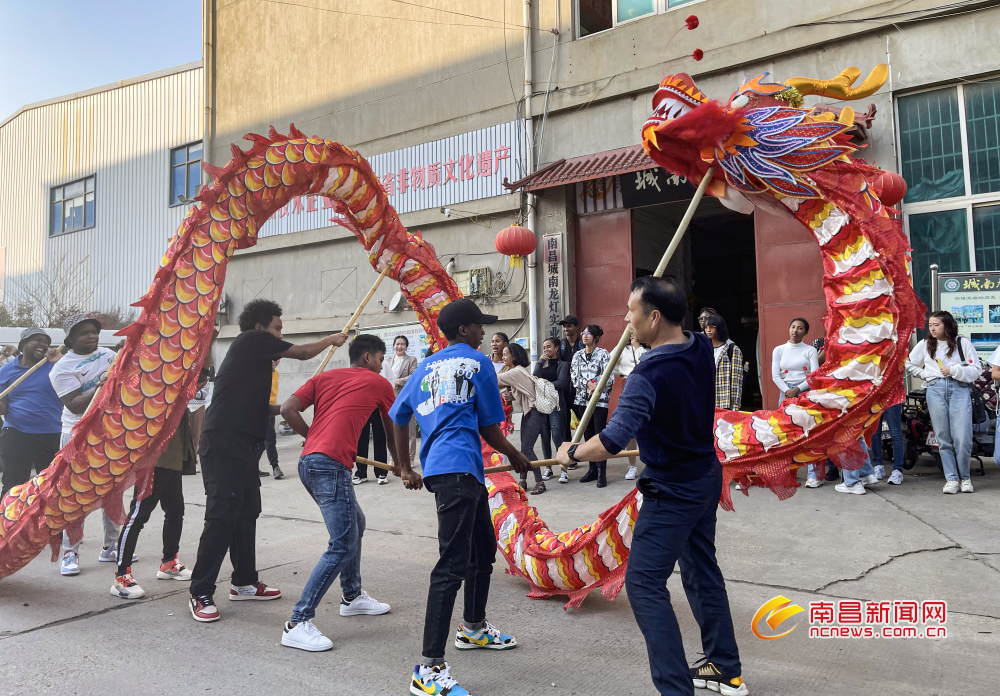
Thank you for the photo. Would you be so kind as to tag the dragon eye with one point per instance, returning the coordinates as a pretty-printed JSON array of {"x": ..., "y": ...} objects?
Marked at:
[{"x": 740, "y": 101}]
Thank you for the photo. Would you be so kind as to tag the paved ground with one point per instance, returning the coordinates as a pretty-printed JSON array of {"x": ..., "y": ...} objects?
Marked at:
[{"x": 70, "y": 636}]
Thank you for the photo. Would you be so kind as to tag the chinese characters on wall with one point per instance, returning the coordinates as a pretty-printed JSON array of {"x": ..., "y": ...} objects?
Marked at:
[{"x": 424, "y": 176}]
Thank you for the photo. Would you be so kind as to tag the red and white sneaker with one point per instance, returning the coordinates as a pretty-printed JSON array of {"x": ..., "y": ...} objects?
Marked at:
[
  {"x": 203, "y": 609},
  {"x": 126, "y": 587},
  {"x": 258, "y": 590},
  {"x": 173, "y": 570}
]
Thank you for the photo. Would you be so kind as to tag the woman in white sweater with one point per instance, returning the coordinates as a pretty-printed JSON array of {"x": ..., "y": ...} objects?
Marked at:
[
  {"x": 790, "y": 364},
  {"x": 948, "y": 364}
]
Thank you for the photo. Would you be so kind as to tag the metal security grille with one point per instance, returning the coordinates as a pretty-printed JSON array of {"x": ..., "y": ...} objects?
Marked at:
[
  {"x": 937, "y": 238},
  {"x": 983, "y": 125},
  {"x": 930, "y": 136},
  {"x": 986, "y": 228}
]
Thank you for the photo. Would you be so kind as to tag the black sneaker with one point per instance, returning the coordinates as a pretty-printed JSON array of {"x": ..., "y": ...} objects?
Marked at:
[
  {"x": 262, "y": 473},
  {"x": 278, "y": 473},
  {"x": 707, "y": 676}
]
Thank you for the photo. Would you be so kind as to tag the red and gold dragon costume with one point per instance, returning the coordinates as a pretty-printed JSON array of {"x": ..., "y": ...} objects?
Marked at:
[
  {"x": 134, "y": 414},
  {"x": 771, "y": 154},
  {"x": 768, "y": 152}
]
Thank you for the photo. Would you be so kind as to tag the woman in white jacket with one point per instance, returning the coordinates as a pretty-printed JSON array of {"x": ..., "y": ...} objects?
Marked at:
[
  {"x": 948, "y": 364},
  {"x": 790, "y": 364}
]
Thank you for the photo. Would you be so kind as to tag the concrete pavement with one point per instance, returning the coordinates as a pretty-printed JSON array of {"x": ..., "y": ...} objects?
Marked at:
[{"x": 70, "y": 636}]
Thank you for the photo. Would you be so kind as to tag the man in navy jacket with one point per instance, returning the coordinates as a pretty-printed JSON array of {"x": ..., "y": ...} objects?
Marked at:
[{"x": 668, "y": 405}]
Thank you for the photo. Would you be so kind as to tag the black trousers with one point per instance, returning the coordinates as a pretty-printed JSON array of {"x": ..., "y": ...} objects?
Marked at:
[
  {"x": 22, "y": 452},
  {"x": 168, "y": 493},
  {"x": 270, "y": 443},
  {"x": 597, "y": 423},
  {"x": 676, "y": 525},
  {"x": 377, "y": 434},
  {"x": 467, "y": 549},
  {"x": 232, "y": 506}
]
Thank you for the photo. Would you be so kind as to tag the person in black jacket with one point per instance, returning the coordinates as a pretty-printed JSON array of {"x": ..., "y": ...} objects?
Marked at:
[
  {"x": 668, "y": 405},
  {"x": 228, "y": 451},
  {"x": 550, "y": 367}
]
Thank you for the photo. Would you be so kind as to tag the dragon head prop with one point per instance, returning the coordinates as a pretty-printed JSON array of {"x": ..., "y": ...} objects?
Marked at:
[{"x": 762, "y": 138}]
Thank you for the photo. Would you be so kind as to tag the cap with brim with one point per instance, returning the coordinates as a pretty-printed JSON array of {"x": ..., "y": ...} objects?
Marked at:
[
  {"x": 78, "y": 319},
  {"x": 28, "y": 333},
  {"x": 570, "y": 319},
  {"x": 462, "y": 312}
]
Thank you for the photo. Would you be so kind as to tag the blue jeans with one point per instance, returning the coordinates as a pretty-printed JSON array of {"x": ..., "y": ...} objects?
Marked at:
[
  {"x": 676, "y": 523},
  {"x": 329, "y": 483},
  {"x": 893, "y": 417},
  {"x": 852, "y": 476},
  {"x": 950, "y": 404}
]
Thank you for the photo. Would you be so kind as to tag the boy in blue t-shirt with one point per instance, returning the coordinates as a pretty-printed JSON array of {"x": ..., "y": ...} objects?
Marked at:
[{"x": 456, "y": 399}]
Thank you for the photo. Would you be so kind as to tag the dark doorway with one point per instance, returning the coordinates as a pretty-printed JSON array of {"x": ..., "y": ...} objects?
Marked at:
[{"x": 717, "y": 266}]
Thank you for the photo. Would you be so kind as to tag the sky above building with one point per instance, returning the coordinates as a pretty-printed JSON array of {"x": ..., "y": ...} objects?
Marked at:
[{"x": 52, "y": 48}]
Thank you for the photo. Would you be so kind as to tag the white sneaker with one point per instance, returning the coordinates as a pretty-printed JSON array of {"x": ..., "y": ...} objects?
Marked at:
[
  {"x": 950, "y": 487},
  {"x": 967, "y": 485},
  {"x": 357, "y": 480},
  {"x": 546, "y": 473},
  {"x": 70, "y": 564},
  {"x": 383, "y": 480},
  {"x": 813, "y": 483},
  {"x": 110, "y": 555},
  {"x": 563, "y": 477},
  {"x": 630, "y": 476},
  {"x": 869, "y": 480},
  {"x": 363, "y": 605},
  {"x": 880, "y": 472},
  {"x": 896, "y": 477},
  {"x": 127, "y": 588},
  {"x": 857, "y": 489},
  {"x": 305, "y": 636}
]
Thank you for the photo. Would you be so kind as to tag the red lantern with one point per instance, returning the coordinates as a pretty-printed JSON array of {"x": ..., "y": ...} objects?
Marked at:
[
  {"x": 515, "y": 242},
  {"x": 890, "y": 187}
]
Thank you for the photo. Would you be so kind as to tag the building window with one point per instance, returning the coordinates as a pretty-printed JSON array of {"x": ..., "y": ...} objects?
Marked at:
[
  {"x": 185, "y": 172},
  {"x": 594, "y": 16},
  {"x": 949, "y": 153},
  {"x": 72, "y": 206}
]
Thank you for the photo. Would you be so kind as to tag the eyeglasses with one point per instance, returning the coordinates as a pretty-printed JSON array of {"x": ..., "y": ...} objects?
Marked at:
[{"x": 585, "y": 333}]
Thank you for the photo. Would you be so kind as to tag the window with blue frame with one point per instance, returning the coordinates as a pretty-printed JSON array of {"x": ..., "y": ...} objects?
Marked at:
[
  {"x": 593, "y": 16},
  {"x": 949, "y": 150},
  {"x": 185, "y": 172},
  {"x": 72, "y": 206}
]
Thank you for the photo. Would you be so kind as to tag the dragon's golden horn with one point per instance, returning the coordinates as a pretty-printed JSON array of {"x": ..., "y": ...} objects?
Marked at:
[{"x": 840, "y": 86}]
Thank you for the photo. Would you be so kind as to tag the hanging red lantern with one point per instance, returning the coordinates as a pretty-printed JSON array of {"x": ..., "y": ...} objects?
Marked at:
[
  {"x": 515, "y": 242},
  {"x": 890, "y": 187}
]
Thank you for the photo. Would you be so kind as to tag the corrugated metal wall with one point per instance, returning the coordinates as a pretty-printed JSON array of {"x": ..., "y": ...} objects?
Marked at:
[{"x": 123, "y": 136}]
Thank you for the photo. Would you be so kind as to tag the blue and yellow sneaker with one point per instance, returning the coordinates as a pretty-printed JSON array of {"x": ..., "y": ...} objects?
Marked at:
[
  {"x": 434, "y": 681},
  {"x": 488, "y": 637}
]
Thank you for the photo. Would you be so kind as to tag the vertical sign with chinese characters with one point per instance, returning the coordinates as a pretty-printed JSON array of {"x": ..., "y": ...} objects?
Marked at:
[
  {"x": 974, "y": 300},
  {"x": 552, "y": 258}
]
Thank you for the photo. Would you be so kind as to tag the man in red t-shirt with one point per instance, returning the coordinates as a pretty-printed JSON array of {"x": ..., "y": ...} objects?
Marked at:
[{"x": 342, "y": 402}]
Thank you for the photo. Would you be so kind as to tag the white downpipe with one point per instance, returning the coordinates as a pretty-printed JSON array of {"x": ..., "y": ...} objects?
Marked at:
[{"x": 531, "y": 268}]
